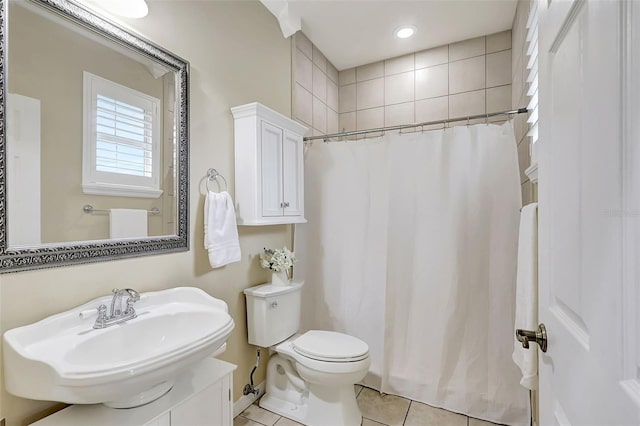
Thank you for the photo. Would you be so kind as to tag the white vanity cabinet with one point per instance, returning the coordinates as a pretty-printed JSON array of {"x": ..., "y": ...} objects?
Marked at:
[
  {"x": 269, "y": 166},
  {"x": 201, "y": 396}
]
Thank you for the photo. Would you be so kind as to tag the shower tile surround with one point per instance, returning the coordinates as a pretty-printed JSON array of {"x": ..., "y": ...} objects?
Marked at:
[
  {"x": 377, "y": 410},
  {"x": 316, "y": 100},
  {"x": 476, "y": 76},
  {"x": 464, "y": 78}
]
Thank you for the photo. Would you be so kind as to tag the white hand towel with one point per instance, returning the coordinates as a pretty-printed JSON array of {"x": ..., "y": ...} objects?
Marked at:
[
  {"x": 220, "y": 229},
  {"x": 128, "y": 223},
  {"x": 527, "y": 295}
]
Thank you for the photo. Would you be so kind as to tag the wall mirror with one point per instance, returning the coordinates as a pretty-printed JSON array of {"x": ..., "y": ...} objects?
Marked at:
[{"x": 93, "y": 139}]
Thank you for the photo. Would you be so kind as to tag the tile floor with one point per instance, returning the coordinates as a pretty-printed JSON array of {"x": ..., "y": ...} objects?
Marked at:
[{"x": 377, "y": 410}]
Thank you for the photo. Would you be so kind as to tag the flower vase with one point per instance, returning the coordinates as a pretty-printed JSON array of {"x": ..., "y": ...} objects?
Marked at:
[{"x": 280, "y": 278}]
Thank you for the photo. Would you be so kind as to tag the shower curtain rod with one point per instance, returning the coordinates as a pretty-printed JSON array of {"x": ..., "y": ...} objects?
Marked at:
[{"x": 407, "y": 126}]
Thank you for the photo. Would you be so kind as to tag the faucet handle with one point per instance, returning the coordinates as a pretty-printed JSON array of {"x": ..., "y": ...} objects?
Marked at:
[
  {"x": 130, "y": 309},
  {"x": 134, "y": 296},
  {"x": 102, "y": 317}
]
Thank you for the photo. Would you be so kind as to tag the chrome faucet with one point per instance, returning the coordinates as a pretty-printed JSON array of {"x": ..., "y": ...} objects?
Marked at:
[{"x": 117, "y": 315}]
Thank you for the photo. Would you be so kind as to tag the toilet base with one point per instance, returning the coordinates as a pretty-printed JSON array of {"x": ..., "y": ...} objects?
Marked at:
[
  {"x": 296, "y": 412},
  {"x": 307, "y": 403},
  {"x": 335, "y": 405}
]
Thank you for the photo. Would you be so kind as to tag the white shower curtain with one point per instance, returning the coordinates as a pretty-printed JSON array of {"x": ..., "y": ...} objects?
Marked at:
[{"x": 411, "y": 246}]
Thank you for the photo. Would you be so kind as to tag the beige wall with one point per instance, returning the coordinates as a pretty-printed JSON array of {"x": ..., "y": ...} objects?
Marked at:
[
  {"x": 46, "y": 62},
  {"x": 237, "y": 55},
  {"x": 469, "y": 77}
]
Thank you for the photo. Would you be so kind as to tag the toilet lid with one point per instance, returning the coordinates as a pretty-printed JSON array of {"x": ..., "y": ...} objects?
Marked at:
[{"x": 330, "y": 346}]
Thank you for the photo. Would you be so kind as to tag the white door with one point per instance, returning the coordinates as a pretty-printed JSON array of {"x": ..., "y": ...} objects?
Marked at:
[
  {"x": 23, "y": 171},
  {"x": 589, "y": 374}
]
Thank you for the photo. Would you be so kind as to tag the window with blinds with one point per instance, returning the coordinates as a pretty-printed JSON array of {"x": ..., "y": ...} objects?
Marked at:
[
  {"x": 124, "y": 138},
  {"x": 121, "y": 140}
]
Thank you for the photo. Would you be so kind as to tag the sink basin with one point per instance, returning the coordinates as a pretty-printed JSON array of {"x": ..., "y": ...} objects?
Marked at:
[{"x": 63, "y": 358}]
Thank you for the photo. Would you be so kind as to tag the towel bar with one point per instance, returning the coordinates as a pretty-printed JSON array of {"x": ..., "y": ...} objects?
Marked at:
[{"x": 88, "y": 208}]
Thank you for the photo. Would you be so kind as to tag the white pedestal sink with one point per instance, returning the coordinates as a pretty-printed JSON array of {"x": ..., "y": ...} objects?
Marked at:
[{"x": 63, "y": 358}]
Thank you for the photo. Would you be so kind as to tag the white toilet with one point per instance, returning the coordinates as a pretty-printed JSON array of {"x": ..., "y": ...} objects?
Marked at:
[{"x": 310, "y": 378}]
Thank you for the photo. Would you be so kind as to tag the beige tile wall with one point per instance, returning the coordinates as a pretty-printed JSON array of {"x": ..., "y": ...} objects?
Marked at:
[
  {"x": 465, "y": 78},
  {"x": 519, "y": 97},
  {"x": 316, "y": 102},
  {"x": 475, "y": 76}
]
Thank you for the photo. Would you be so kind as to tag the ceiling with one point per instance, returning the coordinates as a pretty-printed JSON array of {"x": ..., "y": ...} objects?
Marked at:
[{"x": 357, "y": 32}]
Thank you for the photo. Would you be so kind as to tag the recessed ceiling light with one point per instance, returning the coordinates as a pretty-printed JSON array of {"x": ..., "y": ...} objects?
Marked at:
[{"x": 405, "y": 31}]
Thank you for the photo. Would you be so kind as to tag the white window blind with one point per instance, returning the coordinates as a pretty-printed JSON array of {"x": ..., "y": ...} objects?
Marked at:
[
  {"x": 124, "y": 138},
  {"x": 121, "y": 140}
]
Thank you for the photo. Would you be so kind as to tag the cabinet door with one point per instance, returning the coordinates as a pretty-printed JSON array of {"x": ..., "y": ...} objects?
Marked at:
[
  {"x": 271, "y": 169},
  {"x": 293, "y": 183},
  {"x": 209, "y": 407}
]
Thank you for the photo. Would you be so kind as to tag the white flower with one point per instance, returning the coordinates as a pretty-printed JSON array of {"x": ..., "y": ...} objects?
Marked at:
[{"x": 278, "y": 260}]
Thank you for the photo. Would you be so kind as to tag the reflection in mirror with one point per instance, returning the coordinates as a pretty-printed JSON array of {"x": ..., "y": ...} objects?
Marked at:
[
  {"x": 123, "y": 159},
  {"x": 95, "y": 116}
]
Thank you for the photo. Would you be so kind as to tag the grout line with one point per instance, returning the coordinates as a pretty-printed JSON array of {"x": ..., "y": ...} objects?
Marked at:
[
  {"x": 407, "y": 413},
  {"x": 304, "y": 54},
  {"x": 486, "y": 78},
  {"x": 448, "y": 83},
  {"x": 476, "y": 56}
]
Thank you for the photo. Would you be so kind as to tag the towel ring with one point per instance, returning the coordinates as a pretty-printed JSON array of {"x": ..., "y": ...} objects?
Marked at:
[{"x": 213, "y": 175}]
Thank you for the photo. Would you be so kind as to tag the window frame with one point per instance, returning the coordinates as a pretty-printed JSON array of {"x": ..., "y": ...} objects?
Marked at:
[{"x": 96, "y": 182}]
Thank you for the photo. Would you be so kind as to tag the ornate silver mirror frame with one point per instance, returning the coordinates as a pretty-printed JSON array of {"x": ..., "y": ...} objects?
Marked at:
[{"x": 55, "y": 255}]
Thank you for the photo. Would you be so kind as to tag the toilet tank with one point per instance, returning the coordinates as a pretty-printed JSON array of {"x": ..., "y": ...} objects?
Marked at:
[{"x": 273, "y": 313}]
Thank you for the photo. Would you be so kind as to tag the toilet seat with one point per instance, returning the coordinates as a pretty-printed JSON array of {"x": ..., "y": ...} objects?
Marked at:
[{"x": 330, "y": 346}]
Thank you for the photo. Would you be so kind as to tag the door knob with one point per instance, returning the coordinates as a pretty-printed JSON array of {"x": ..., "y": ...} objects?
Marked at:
[{"x": 539, "y": 336}]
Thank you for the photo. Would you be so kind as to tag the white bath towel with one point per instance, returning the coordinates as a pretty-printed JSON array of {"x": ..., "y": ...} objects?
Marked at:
[
  {"x": 220, "y": 229},
  {"x": 527, "y": 295},
  {"x": 128, "y": 223}
]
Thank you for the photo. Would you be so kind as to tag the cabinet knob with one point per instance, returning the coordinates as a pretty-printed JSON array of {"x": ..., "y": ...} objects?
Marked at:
[{"x": 286, "y": 204}]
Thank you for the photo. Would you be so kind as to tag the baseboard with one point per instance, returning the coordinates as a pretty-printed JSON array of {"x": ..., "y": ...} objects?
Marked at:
[{"x": 246, "y": 400}]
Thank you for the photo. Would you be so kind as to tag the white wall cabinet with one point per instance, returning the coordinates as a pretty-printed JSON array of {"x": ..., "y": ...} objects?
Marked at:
[
  {"x": 269, "y": 166},
  {"x": 201, "y": 396}
]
